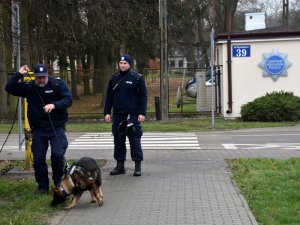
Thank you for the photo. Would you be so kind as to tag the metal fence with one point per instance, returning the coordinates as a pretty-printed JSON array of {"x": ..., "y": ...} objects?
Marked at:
[{"x": 189, "y": 94}]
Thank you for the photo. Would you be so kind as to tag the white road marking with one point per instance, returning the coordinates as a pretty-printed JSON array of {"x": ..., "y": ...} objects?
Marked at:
[
  {"x": 178, "y": 141},
  {"x": 293, "y": 146}
]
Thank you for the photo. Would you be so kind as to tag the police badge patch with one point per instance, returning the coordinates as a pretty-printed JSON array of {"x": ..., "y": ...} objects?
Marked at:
[{"x": 275, "y": 64}]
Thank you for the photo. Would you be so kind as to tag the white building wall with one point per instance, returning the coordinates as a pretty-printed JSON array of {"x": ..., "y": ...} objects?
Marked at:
[{"x": 248, "y": 82}]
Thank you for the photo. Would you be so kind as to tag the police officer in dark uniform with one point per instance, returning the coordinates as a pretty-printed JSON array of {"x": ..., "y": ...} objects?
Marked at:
[
  {"x": 48, "y": 99},
  {"x": 127, "y": 95}
]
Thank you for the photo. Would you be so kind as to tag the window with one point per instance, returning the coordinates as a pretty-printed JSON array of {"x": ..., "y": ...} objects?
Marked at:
[
  {"x": 172, "y": 63},
  {"x": 180, "y": 63}
]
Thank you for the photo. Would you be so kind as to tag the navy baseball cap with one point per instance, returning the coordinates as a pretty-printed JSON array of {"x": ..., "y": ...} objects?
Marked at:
[
  {"x": 127, "y": 58},
  {"x": 40, "y": 70}
]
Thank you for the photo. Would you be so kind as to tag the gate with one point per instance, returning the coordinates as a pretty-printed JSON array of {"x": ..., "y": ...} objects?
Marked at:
[{"x": 189, "y": 91}]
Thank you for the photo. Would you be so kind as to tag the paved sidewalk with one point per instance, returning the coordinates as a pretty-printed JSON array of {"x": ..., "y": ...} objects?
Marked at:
[
  {"x": 191, "y": 187},
  {"x": 175, "y": 188}
]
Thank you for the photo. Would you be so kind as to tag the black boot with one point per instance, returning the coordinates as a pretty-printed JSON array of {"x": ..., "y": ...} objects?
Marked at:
[
  {"x": 137, "y": 169},
  {"x": 119, "y": 169}
]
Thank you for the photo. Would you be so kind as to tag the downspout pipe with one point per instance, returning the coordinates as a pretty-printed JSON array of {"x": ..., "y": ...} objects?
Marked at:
[{"x": 229, "y": 72}]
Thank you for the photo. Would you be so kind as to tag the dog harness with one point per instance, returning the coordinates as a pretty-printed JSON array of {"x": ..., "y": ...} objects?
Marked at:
[{"x": 77, "y": 188}]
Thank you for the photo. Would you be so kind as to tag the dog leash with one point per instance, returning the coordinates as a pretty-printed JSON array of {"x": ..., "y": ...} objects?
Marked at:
[
  {"x": 50, "y": 120},
  {"x": 9, "y": 133},
  {"x": 43, "y": 103},
  {"x": 9, "y": 166}
]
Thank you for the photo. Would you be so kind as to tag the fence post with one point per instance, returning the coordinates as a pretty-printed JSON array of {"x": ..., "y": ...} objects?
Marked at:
[{"x": 157, "y": 108}]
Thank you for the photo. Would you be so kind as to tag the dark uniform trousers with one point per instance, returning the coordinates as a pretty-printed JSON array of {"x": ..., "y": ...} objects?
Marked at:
[
  {"x": 120, "y": 139},
  {"x": 41, "y": 137}
]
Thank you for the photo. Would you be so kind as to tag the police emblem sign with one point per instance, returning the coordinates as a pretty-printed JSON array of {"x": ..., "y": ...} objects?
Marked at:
[{"x": 275, "y": 64}]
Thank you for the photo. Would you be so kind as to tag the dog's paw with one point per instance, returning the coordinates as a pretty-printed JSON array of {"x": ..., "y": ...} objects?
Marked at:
[
  {"x": 93, "y": 201},
  {"x": 101, "y": 202},
  {"x": 69, "y": 207}
]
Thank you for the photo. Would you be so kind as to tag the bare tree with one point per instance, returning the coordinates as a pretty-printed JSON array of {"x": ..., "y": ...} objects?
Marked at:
[{"x": 3, "y": 71}]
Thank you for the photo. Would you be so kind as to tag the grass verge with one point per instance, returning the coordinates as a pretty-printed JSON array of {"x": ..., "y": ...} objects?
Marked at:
[
  {"x": 182, "y": 125},
  {"x": 271, "y": 188},
  {"x": 18, "y": 204}
]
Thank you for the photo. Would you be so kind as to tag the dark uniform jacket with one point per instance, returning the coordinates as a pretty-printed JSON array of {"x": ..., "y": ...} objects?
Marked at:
[
  {"x": 38, "y": 97},
  {"x": 126, "y": 94}
]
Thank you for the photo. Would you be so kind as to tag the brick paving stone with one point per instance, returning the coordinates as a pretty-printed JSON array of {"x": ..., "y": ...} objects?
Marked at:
[
  {"x": 190, "y": 187},
  {"x": 174, "y": 188}
]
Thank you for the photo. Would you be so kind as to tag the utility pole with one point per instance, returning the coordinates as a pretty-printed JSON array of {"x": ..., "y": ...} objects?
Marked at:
[
  {"x": 15, "y": 25},
  {"x": 213, "y": 14},
  {"x": 285, "y": 13},
  {"x": 164, "y": 79},
  {"x": 212, "y": 76}
]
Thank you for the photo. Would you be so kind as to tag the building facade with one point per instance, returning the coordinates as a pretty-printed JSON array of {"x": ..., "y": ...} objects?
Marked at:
[{"x": 256, "y": 62}]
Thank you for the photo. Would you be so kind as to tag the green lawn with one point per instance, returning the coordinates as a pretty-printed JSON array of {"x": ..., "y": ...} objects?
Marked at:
[
  {"x": 173, "y": 125},
  {"x": 19, "y": 205},
  {"x": 271, "y": 188}
]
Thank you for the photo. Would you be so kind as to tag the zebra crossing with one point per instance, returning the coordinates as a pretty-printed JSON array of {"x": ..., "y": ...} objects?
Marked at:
[{"x": 150, "y": 141}]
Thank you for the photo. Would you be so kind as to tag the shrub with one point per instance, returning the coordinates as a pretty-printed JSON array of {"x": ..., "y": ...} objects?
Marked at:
[{"x": 273, "y": 107}]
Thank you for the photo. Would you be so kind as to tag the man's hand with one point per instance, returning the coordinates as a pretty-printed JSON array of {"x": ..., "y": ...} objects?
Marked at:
[
  {"x": 107, "y": 118},
  {"x": 24, "y": 69},
  {"x": 48, "y": 108}
]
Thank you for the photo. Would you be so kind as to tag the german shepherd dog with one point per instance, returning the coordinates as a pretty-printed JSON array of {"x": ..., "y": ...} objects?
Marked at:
[{"x": 81, "y": 176}]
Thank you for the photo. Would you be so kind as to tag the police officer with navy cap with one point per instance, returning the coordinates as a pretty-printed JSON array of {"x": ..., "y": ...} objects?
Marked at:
[
  {"x": 127, "y": 96},
  {"x": 48, "y": 99}
]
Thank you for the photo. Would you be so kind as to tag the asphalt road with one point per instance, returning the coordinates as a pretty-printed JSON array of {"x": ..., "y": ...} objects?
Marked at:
[{"x": 263, "y": 139}]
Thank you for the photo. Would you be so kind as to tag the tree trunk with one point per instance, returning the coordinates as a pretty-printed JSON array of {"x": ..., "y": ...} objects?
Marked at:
[
  {"x": 79, "y": 69},
  {"x": 73, "y": 78},
  {"x": 25, "y": 49},
  {"x": 3, "y": 73},
  {"x": 98, "y": 57},
  {"x": 86, "y": 74},
  {"x": 107, "y": 69},
  {"x": 63, "y": 67}
]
